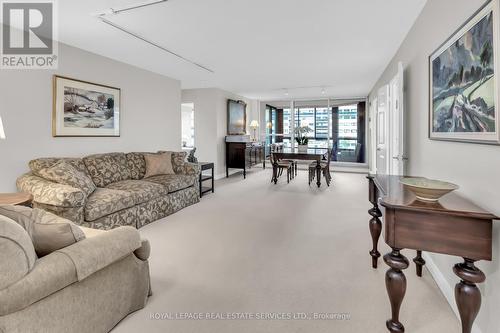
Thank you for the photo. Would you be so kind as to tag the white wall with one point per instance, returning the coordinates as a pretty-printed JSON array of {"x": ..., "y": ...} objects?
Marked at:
[
  {"x": 476, "y": 168},
  {"x": 150, "y": 112},
  {"x": 210, "y": 118},
  {"x": 187, "y": 110}
]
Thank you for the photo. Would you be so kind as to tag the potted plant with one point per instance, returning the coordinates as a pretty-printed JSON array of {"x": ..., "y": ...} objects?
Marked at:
[{"x": 301, "y": 138}]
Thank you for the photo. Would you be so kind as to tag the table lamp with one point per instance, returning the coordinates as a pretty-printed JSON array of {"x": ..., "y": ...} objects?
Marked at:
[
  {"x": 2, "y": 132},
  {"x": 254, "y": 125}
]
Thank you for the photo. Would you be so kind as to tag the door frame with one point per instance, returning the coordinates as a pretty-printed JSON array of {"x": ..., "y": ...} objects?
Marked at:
[
  {"x": 383, "y": 91},
  {"x": 373, "y": 135},
  {"x": 397, "y": 123}
]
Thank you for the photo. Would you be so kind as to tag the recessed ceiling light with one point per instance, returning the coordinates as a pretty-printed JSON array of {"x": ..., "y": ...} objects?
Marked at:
[
  {"x": 286, "y": 92},
  {"x": 323, "y": 91}
]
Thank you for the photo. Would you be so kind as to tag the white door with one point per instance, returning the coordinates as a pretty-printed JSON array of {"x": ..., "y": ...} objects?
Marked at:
[
  {"x": 381, "y": 130},
  {"x": 397, "y": 161}
]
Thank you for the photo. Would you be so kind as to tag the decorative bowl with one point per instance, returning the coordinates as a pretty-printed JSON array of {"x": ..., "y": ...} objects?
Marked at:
[{"x": 428, "y": 189}]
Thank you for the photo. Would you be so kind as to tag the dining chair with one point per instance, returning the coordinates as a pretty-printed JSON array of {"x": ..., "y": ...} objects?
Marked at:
[
  {"x": 281, "y": 165},
  {"x": 325, "y": 168}
]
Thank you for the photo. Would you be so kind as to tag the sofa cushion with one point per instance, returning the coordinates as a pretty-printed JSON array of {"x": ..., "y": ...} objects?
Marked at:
[
  {"x": 141, "y": 190},
  {"x": 158, "y": 164},
  {"x": 107, "y": 168},
  {"x": 48, "y": 232},
  {"x": 178, "y": 159},
  {"x": 105, "y": 201},
  {"x": 136, "y": 165},
  {"x": 17, "y": 253},
  {"x": 43, "y": 163},
  {"x": 64, "y": 173},
  {"x": 173, "y": 183}
]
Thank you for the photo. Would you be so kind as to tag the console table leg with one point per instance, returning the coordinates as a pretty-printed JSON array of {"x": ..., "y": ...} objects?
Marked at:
[
  {"x": 419, "y": 262},
  {"x": 467, "y": 294},
  {"x": 395, "y": 282},
  {"x": 375, "y": 230}
]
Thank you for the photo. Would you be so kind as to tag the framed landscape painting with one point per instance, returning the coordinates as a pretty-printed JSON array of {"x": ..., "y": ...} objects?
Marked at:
[
  {"x": 82, "y": 108},
  {"x": 464, "y": 84},
  {"x": 236, "y": 117}
]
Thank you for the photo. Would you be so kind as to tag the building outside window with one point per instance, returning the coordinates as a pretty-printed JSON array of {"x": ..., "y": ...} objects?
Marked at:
[
  {"x": 187, "y": 115},
  {"x": 348, "y": 127}
]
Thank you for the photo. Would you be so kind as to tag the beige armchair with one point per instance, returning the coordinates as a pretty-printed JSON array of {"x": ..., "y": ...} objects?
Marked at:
[{"x": 85, "y": 287}]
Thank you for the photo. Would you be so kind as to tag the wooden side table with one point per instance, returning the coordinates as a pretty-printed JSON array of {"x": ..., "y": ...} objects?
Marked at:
[
  {"x": 206, "y": 177},
  {"x": 453, "y": 225},
  {"x": 20, "y": 199}
]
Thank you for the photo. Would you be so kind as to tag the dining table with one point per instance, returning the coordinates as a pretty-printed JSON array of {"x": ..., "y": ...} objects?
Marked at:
[{"x": 311, "y": 154}]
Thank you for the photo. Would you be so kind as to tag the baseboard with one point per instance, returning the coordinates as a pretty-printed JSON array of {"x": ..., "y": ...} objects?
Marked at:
[
  {"x": 346, "y": 167},
  {"x": 447, "y": 290},
  {"x": 231, "y": 172}
]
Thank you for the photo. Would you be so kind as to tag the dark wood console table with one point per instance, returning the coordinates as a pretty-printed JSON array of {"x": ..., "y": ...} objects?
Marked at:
[
  {"x": 244, "y": 155},
  {"x": 453, "y": 226}
]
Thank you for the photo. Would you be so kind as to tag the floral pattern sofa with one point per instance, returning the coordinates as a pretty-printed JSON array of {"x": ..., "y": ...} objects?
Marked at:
[{"x": 122, "y": 197}]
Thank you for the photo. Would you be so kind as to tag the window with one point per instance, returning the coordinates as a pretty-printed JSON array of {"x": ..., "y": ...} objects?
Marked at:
[
  {"x": 339, "y": 127},
  {"x": 187, "y": 114},
  {"x": 318, "y": 119},
  {"x": 305, "y": 117}
]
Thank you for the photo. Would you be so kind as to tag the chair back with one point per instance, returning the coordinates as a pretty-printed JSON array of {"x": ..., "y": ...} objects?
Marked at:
[{"x": 329, "y": 159}]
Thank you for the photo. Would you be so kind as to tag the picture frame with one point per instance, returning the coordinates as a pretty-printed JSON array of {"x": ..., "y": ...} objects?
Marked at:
[
  {"x": 85, "y": 109},
  {"x": 236, "y": 117},
  {"x": 463, "y": 82}
]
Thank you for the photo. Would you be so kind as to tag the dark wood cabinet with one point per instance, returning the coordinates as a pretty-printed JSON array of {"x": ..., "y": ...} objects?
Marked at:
[{"x": 244, "y": 155}]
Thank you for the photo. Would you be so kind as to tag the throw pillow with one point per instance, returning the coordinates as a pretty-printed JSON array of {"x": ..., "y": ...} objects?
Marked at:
[
  {"x": 158, "y": 164},
  {"x": 64, "y": 173},
  {"x": 48, "y": 232}
]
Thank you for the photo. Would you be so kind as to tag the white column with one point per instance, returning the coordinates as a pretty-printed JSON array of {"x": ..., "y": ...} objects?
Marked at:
[
  {"x": 292, "y": 120},
  {"x": 329, "y": 122}
]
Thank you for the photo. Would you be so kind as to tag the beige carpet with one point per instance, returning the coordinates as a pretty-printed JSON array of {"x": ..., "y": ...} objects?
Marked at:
[{"x": 258, "y": 248}]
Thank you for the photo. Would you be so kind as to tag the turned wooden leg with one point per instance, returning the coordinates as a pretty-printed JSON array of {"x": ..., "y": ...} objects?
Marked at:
[
  {"x": 467, "y": 294},
  {"x": 395, "y": 282},
  {"x": 419, "y": 262},
  {"x": 318, "y": 174},
  {"x": 275, "y": 173},
  {"x": 375, "y": 230}
]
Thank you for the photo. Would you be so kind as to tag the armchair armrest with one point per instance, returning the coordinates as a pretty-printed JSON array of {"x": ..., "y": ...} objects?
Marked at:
[
  {"x": 49, "y": 275},
  {"x": 189, "y": 169},
  {"x": 94, "y": 253},
  {"x": 142, "y": 252},
  {"x": 50, "y": 193}
]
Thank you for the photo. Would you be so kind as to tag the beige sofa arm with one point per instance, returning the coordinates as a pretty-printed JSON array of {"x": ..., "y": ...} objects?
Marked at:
[
  {"x": 141, "y": 253},
  {"x": 50, "y": 193},
  {"x": 144, "y": 251},
  {"x": 189, "y": 169},
  {"x": 49, "y": 275},
  {"x": 94, "y": 253}
]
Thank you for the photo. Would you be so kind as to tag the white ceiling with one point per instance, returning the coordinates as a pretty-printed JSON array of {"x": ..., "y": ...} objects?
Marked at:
[{"x": 256, "y": 48}]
